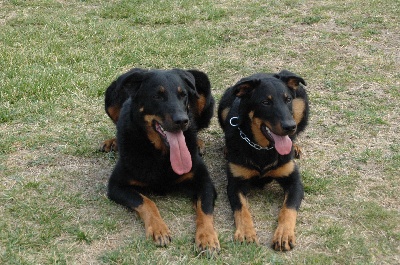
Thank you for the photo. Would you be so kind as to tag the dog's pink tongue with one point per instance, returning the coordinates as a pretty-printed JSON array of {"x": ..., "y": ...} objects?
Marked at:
[
  {"x": 180, "y": 158},
  {"x": 283, "y": 144}
]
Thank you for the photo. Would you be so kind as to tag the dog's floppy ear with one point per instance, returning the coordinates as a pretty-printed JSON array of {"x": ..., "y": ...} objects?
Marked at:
[
  {"x": 190, "y": 81},
  {"x": 245, "y": 86},
  {"x": 290, "y": 79},
  {"x": 131, "y": 80},
  {"x": 203, "y": 84}
]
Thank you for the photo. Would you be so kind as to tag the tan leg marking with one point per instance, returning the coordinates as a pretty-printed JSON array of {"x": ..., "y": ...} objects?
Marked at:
[
  {"x": 284, "y": 238},
  {"x": 154, "y": 225},
  {"x": 206, "y": 236},
  {"x": 245, "y": 231}
]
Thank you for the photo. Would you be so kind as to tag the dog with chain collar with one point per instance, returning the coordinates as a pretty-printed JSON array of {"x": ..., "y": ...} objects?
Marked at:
[{"x": 261, "y": 115}]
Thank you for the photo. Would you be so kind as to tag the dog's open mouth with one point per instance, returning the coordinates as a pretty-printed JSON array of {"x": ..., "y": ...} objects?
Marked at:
[
  {"x": 160, "y": 131},
  {"x": 282, "y": 144},
  {"x": 181, "y": 160}
]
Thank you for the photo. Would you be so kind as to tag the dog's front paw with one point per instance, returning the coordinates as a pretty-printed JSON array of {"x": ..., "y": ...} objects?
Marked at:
[
  {"x": 207, "y": 240},
  {"x": 245, "y": 231},
  {"x": 284, "y": 238},
  {"x": 159, "y": 232},
  {"x": 246, "y": 234}
]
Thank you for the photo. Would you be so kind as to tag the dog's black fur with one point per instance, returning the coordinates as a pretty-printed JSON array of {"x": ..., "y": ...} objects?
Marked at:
[
  {"x": 253, "y": 108},
  {"x": 147, "y": 105}
]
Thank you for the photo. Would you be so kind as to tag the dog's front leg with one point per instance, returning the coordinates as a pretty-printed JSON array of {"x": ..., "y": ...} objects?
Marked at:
[
  {"x": 284, "y": 237},
  {"x": 206, "y": 236},
  {"x": 154, "y": 225},
  {"x": 245, "y": 231}
]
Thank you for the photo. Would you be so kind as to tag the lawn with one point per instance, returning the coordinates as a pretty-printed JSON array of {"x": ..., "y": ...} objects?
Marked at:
[{"x": 58, "y": 57}]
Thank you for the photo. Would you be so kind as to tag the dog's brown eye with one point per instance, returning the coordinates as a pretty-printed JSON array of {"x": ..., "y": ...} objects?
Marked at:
[{"x": 288, "y": 99}]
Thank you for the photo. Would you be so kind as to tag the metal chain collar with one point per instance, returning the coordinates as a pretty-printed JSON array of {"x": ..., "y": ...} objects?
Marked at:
[{"x": 244, "y": 136}]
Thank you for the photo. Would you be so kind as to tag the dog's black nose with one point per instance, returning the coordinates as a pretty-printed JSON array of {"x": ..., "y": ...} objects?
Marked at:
[
  {"x": 181, "y": 120},
  {"x": 289, "y": 126}
]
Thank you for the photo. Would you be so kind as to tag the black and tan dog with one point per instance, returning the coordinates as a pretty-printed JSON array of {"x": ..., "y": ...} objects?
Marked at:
[
  {"x": 158, "y": 114},
  {"x": 261, "y": 115}
]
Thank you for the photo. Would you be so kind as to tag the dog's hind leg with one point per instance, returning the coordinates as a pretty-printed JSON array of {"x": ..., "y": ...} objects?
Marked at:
[
  {"x": 109, "y": 145},
  {"x": 297, "y": 151}
]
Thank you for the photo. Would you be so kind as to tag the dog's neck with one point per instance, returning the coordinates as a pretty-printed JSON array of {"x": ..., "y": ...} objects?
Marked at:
[{"x": 236, "y": 120}]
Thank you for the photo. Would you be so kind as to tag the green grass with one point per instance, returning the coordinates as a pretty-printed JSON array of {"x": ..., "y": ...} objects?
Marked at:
[{"x": 57, "y": 58}]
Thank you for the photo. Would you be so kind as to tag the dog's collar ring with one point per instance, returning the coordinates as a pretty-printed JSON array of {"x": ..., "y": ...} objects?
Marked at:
[{"x": 234, "y": 123}]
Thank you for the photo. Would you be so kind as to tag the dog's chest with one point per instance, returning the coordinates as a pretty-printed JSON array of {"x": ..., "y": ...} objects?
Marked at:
[{"x": 262, "y": 164}]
